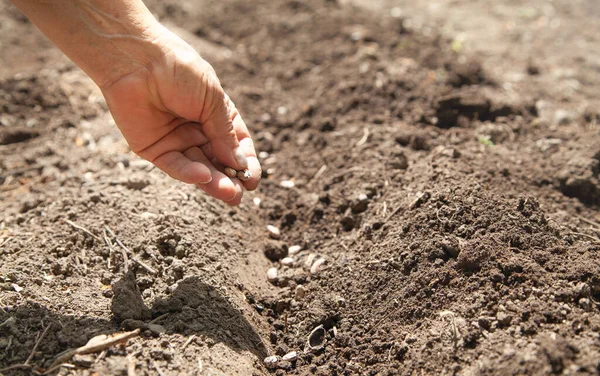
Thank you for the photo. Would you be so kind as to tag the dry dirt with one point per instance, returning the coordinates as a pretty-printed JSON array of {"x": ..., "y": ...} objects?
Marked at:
[{"x": 445, "y": 169}]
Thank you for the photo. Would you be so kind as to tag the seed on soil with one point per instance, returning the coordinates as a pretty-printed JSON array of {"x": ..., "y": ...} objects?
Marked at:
[
  {"x": 274, "y": 232},
  {"x": 244, "y": 175},
  {"x": 287, "y": 261},
  {"x": 230, "y": 172},
  {"x": 294, "y": 249},
  {"x": 287, "y": 184},
  {"x": 290, "y": 357},
  {"x": 256, "y": 201},
  {"x": 271, "y": 361},
  {"x": 300, "y": 292},
  {"x": 316, "y": 339},
  {"x": 314, "y": 269},
  {"x": 309, "y": 260},
  {"x": 272, "y": 274}
]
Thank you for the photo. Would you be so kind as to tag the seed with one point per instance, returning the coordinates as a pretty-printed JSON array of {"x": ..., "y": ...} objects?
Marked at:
[
  {"x": 294, "y": 249},
  {"x": 316, "y": 266},
  {"x": 287, "y": 261},
  {"x": 230, "y": 172},
  {"x": 257, "y": 201},
  {"x": 273, "y": 232},
  {"x": 272, "y": 274},
  {"x": 290, "y": 357},
  {"x": 244, "y": 175},
  {"x": 287, "y": 184},
  {"x": 316, "y": 338},
  {"x": 309, "y": 260}
]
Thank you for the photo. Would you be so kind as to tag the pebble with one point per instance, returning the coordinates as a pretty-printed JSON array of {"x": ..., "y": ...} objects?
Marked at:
[
  {"x": 361, "y": 204},
  {"x": 271, "y": 361},
  {"x": 294, "y": 249},
  {"x": 256, "y": 201},
  {"x": 300, "y": 292},
  {"x": 585, "y": 304},
  {"x": 504, "y": 318},
  {"x": 290, "y": 357},
  {"x": 316, "y": 266},
  {"x": 287, "y": 184},
  {"x": 272, "y": 274},
  {"x": 156, "y": 329},
  {"x": 274, "y": 232},
  {"x": 287, "y": 261}
]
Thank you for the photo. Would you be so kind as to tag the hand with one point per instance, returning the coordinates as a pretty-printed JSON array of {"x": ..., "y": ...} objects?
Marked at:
[{"x": 174, "y": 113}]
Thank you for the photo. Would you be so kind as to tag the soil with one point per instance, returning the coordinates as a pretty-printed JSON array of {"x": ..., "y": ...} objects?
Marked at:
[{"x": 442, "y": 216}]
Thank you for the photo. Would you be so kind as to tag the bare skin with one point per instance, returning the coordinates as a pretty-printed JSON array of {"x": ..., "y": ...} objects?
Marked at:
[{"x": 166, "y": 100}]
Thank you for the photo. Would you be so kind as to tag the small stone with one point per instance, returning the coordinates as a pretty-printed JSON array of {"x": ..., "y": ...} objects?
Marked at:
[
  {"x": 148, "y": 215},
  {"x": 230, "y": 172},
  {"x": 585, "y": 303},
  {"x": 287, "y": 261},
  {"x": 290, "y": 357},
  {"x": 273, "y": 232},
  {"x": 360, "y": 204},
  {"x": 314, "y": 269},
  {"x": 300, "y": 292},
  {"x": 271, "y": 362},
  {"x": 156, "y": 329},
  {"x": 504, "y": 318},
  {"x": 287, "y": 184},
  {"x": 348, "y": 223},
  {"x": 256, "y": 201},
  {"x": 275, "y": 250},
  {"x": 562, "y": 117},
  {"x": 399, "y": 161},
  {"x": 294, "y": 249},
  {"x": 272, "y": 275},
  {"x": 244, "y": 175},
  {"x": 285, "y": 365}
]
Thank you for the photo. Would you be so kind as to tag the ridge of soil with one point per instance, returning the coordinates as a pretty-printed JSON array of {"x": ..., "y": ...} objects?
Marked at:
[{"x": 458, "y": 227}]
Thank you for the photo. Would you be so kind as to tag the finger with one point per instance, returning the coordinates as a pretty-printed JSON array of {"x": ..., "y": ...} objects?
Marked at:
[
  {"x": 220, "y": 187},
  {"x": 253, "y": 164},
  {"x": 182, "y": 168},
  {"x": 239, "y": 193},
  {"x": 219, "y": 129},
  {"x": 181, "y": 138}
]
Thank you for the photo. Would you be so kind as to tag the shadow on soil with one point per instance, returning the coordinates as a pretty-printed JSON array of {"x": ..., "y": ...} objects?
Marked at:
[{"x": 194, "y": 308}]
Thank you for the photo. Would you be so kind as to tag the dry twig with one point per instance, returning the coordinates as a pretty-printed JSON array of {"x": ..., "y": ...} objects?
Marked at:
[
  {"x": 82, "y": 229},
  {"x": 94, "y": 345},
  {"x": 128, "y": 252}
]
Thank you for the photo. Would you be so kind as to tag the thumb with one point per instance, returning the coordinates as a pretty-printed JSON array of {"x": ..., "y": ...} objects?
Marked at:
[{"x": 221, "y": 132}]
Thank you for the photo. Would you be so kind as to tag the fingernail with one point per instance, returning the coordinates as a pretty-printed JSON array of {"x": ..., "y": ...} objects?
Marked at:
[
  {"x": 206, "y": 182},
  {"x": 240, "y": 158},
  {"x": 238, "y": 191}
]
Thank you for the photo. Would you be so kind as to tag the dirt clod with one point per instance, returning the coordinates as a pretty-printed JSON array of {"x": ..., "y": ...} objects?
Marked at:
[{"x": 127, "y": 302}]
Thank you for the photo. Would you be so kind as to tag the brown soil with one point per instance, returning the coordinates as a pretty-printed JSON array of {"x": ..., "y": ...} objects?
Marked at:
[{"x": 458, "y": 218}]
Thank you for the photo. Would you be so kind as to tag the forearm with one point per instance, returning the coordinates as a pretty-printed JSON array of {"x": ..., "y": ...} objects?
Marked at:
[{"x": 106, "y": 38}]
